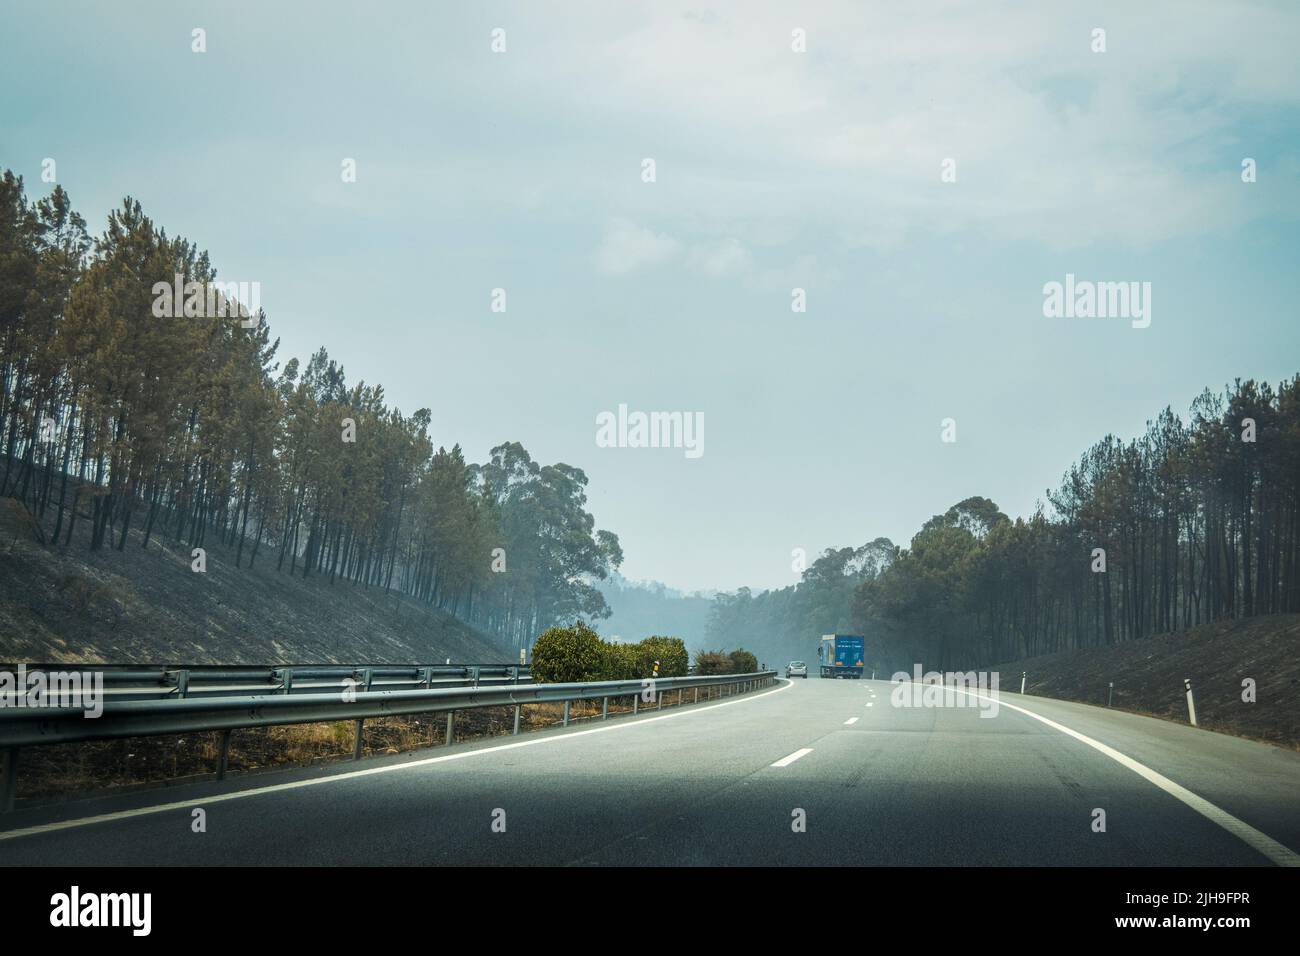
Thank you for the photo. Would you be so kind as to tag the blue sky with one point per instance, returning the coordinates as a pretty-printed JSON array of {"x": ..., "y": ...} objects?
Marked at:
[{"x": 775, "y": 169}]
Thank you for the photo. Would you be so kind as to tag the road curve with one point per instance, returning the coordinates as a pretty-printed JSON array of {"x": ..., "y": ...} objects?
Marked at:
[{"x": 730, "y": 784}]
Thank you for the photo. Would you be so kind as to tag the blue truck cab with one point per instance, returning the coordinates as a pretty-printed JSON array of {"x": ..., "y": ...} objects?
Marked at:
[{"x": 841, "y": 656}]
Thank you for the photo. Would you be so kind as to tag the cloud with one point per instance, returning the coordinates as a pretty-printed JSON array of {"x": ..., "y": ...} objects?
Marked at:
[
  {"x": 628, "y": 247},
  {"x": 719, "y": 259},
  {"x": 1053, "y": 143}
]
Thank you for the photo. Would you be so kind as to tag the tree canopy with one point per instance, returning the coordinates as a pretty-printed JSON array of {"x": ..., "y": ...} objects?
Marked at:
[{"x": 186, "y": 426}]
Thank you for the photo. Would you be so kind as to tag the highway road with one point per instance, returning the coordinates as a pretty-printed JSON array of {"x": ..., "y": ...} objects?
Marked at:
[{"x": 727, "y": 783}]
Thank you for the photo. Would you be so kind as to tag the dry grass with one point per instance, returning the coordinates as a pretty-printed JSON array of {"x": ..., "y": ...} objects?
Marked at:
[{"x": 66, "y": 770}]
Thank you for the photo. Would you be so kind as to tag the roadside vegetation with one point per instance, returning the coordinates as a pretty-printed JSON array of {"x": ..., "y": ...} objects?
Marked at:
[
  {"x": 124, "y": 428},
  {"x": 1197, "y": 521},
  {"x": 720, "y": 662},
  {"x": 577, "y": 653}
]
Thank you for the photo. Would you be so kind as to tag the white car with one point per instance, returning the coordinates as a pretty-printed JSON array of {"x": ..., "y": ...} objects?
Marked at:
[{"x": 796, "y": 669}]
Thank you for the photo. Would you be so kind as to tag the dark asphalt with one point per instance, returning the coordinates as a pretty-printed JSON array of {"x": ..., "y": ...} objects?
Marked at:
[{"x": 696, "y": 786}]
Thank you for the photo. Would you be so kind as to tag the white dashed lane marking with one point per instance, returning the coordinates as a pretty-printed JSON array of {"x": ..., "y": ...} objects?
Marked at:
[{"x": 786, "y": 761}]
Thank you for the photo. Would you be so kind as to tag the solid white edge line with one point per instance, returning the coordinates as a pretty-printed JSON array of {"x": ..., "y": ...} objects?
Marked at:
[
  {"x": 1277, "y": 852},
  {"x": 786, "y": 761},
  {"x": 851, "y": 720},
  {"x": 353, "y": 774}
]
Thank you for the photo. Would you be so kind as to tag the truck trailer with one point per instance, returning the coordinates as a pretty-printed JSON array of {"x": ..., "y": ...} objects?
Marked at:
[{"x": 841, "y": 656}]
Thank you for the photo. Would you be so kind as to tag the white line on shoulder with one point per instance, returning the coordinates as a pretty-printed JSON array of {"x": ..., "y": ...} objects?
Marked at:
[{"x": 1280, "y": 854}]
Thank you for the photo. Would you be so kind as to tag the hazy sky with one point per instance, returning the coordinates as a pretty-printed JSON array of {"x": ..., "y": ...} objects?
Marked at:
[{"x": 775, "y": 169}]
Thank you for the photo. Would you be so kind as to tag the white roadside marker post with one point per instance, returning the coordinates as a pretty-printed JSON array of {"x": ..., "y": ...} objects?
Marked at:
[
  {"x": 1191, "y": 702},
  {"x": 1022, "y": 682}
]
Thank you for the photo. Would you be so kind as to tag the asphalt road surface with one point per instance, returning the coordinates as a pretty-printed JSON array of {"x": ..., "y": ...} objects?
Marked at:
[{"x": 730, "y": 783}]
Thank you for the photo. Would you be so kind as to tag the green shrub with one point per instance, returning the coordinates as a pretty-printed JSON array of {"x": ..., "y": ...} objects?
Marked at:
[
  {"x": 567, "y": 654},
  {"x": 712, "y": 662},
  {"x": 563, "y": 655},
  {"x": 622, "y": 662},
  {"x": 743, "y": 662},
  {"x": 670, "y": 652},
  {"x": 717, "y": 662}
]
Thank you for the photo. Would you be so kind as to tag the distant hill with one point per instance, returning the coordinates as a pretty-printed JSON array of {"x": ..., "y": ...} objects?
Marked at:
[
  {"x": 139, "y": 606},
  {"x": 643, "y": 608}
]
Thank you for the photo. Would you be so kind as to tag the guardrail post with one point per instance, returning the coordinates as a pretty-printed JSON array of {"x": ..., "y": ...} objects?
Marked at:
[
  {"x": 182, "y": 683},
  {"x": 566, "y": 713},
  {"x": 451, "y": 727},
  {"x": 359, "y": 740},
  {"x": 367, "y": 676},
  {"x": 223, "y": 755},
  {"x": 286, "y": 680},
  {"x": 1191, "y": 702},
  {"x": 517, "y": 708},
  {"x": 604, "y": 708},
  {"x": 9, "y": 780},
  {"x": 428, "y": 678}
]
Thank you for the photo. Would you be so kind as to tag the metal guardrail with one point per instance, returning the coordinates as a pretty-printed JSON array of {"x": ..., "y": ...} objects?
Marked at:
[
  {"x": 158, "y": 682},
  {"x": 40, "y": 726}
]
